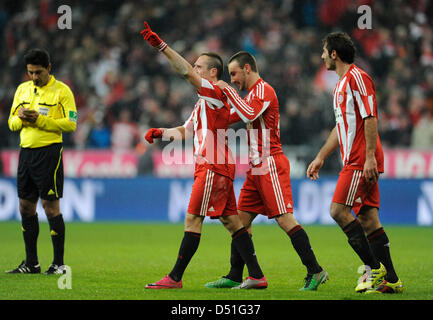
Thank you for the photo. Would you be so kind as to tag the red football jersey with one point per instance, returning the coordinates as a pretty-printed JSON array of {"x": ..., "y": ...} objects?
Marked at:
[
  {"x": 209, "y": 122},
  {"x": 260, "y": 110},
  {"x": 354, "y": 100}
]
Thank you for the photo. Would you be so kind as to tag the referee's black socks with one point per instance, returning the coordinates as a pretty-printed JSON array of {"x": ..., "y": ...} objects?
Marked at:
[
  {"x": 57, "y": 230},
  {"x": 30, "y": 228}
]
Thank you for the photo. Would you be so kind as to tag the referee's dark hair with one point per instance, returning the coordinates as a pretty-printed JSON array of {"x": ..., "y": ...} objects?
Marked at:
[
  {"x": 37, "y": 57},
  {"x": 244, "y": 57},
  {"x": 342, "y": 44},
  {"x": 215, "y": 61}
]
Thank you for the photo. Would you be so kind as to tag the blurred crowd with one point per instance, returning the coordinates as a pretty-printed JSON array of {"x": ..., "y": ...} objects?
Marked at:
[{"x": 122, "y": 86}]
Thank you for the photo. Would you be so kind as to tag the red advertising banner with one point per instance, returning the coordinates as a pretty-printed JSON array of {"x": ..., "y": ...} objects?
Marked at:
[
  {"x": 407, "y": 163},
  {"x": 86, "y": 163},
  {"x": 399, "y": 163}
]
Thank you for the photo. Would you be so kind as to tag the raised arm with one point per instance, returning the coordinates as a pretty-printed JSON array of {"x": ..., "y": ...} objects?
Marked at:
[{"x": 177, "y": 62}]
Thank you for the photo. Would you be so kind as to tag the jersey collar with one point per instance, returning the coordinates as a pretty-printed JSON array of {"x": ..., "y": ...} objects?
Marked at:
[
  {"x": 348, "y": 70},
  {"x": 49, "y": 83}
]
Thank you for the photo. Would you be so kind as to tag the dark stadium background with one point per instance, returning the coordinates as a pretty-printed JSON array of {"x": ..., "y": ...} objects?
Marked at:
[{"x": 123, "y": 87}]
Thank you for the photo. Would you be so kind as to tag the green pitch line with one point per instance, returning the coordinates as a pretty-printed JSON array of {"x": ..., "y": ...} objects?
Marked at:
[{"x": 116, "y": 260}]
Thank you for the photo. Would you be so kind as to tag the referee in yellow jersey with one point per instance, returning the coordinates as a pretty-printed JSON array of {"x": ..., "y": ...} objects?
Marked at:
[{"x": 43, "y": 108}]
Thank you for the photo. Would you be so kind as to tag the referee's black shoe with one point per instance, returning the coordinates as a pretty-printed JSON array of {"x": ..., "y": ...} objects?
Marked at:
[
  {"x": 55, "y": 269},
  {"x": 25, "y": 268}
]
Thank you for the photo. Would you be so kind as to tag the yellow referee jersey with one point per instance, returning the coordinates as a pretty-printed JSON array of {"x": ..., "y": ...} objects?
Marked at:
[{"x": 55, "y": 104}]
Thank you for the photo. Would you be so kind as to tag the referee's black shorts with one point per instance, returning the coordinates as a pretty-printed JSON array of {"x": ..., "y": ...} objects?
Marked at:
[{"x": 40, "y": 173}]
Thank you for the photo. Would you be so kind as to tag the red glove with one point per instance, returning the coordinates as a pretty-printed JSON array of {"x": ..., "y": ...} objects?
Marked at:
[
  {"x": 153, "y": 133},
  {"x": 152, "y": 38}
]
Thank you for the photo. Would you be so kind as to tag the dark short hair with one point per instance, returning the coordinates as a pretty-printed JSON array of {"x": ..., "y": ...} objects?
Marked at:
[
  {"x": 244, "y": 57},
  {"x": 215, "y": 61},
  {"x": 37, "y": 57},
  {"x": 342, "y": 44}
]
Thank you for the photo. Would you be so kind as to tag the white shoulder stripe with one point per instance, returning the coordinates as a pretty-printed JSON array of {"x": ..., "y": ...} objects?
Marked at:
[
  {"x": 361, "y": 105},
  {"x": 244, "y": 106},
  {"x": 260, "y": 90},
  {"x": 212, "y": 101},
  {"x": 359, "y": 82},
  {"x": 257, "y": 91},
  {"x": 206, "y": 84}
]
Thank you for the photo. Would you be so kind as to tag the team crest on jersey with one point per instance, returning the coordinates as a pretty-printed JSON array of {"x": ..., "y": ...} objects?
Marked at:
[{"x": 340, "y": 97}]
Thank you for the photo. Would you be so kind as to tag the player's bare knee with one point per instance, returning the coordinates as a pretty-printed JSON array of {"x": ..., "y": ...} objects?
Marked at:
[
  {"x": 193, "y": 223},
  {"x": 246, "y": 218},
  {"x": 286, "y": 221},
  {"x": 369, "y": 219},
  {"x": 231, "y": 223},
  {"x": 225, "y": 222},
  {"x": 341, "y": 214}
]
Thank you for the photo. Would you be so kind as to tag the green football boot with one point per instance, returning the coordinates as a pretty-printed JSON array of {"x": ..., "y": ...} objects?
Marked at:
[
  {"x": 312, "y": 281},
  {"x": 222, "y": 283}
]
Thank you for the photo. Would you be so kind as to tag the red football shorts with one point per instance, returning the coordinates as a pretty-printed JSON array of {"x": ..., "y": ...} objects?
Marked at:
[
  {"x": 267, "y": 188},
  {"x": 212, "y": 195},
  {"x": 353, "y": 191}
]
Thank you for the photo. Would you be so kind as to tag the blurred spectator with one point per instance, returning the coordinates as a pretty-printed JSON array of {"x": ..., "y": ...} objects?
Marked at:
[
  {"x": 125, "y": 135},
  {"x": 422, "y": 137},
  {"x": 99, "y": 135},
  {"x": 145, "y": 160}
]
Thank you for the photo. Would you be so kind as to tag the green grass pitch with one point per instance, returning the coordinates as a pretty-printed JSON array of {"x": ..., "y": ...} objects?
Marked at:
[{"x": 114, "y": 261}]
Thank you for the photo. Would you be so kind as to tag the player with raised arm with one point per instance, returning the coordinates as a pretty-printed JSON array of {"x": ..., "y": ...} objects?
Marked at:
[
  {"x": 267, "y": 188},
  {"x": 212, "y": 192},
  {"x": 357, "y": 189}
]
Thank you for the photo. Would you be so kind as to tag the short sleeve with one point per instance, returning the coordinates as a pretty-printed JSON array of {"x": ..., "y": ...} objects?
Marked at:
[
  {"x": 211, "y": 93},
  {"x": 363, "y": 90}
]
